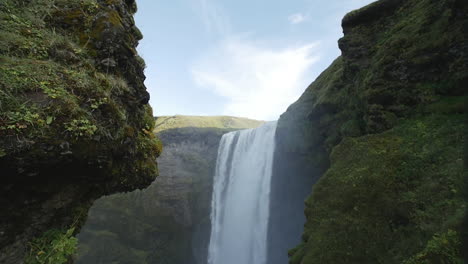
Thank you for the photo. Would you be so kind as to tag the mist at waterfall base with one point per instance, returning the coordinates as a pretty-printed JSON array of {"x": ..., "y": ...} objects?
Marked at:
[{"x": 241, "y": 230}]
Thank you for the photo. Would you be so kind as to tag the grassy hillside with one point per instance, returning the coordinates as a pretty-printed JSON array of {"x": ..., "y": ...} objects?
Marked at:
[{"x": 179, "y": 121}]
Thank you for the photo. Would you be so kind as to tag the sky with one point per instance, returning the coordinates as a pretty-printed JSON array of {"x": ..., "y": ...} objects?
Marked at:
[{"x": 245, "y": 58}]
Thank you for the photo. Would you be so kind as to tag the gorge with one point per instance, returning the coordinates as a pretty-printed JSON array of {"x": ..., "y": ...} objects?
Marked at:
[
  {"x": 201, "y": 155},
  {"x": 369, "y": 165},
  {"x": 159, "y": 224}
]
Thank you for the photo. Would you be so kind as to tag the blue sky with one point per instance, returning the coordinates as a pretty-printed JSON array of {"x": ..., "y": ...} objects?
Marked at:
[{"x": 247, "y": 58}]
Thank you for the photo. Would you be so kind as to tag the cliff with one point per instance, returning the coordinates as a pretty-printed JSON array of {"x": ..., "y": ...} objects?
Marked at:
[
  {"x": 75, "y": 123},
  {"x": 384, "y": 127},
  {"x": 169, "y": 222}
]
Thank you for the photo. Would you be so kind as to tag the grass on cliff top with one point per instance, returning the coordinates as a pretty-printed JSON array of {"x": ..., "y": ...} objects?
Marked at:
[{"x": 180, "y": 121}]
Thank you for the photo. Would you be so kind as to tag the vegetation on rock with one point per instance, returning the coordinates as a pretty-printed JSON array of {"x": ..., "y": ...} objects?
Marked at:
[
  {"x": 386, "y": 122},
  {"x": 74, "y": 118},
  {"x": 54, "y": 247},
  {"x": 386, "y": 195},
  {"x": 221, "y": 122},
  {"x": 60, "y": 97}
]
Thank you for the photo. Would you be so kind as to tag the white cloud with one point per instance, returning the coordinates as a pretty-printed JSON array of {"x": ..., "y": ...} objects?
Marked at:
[
  {"x": 257, "y": 82},
  {"x": 214, "y": 18},
  {"x": 297, "y": 18}
]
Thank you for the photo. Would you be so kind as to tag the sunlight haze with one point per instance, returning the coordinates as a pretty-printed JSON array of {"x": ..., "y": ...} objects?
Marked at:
[{"x": 238, "y": 58}]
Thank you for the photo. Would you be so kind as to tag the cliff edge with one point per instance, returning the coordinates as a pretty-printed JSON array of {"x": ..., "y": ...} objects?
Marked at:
[
  {"x": 75, "y": 123},
  {"x": 385, "y": 125}
]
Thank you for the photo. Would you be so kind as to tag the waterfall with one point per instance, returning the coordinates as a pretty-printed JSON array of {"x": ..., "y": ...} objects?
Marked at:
[{"x": 241, "y": 194}]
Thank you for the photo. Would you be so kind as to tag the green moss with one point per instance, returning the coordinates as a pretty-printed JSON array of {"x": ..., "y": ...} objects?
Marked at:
[
  {"x": 447, "y": 105},
  {"x": 54, "y": 94},
  {"x": 312, "y": 125},
  {"x": 53, "y": 247},
  {"x": 386, "y": 120},
  {"x": 43, "y": 98},
  {"x": 442, "y": 248},
  {"x": 386, "y": 195},
  {"x": 66, "y": 120},
  {"x": 112, "y": 17}
]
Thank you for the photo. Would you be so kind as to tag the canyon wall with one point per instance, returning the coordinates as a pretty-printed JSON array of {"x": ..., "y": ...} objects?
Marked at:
[
  {"x": 384, "y": 128},
  {"x": 169, "y": 222}
]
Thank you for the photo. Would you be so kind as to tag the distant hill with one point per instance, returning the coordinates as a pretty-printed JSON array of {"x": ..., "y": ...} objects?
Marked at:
[{"x": 224, "y": 122}]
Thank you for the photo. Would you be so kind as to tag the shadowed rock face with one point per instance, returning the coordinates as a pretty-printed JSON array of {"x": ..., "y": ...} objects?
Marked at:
[
  {"x": 169, "y": 222},
  {"x": 74, "y": 118},
  {"x": 371, "y": 125},
  {"x": 286, "y": 221}
]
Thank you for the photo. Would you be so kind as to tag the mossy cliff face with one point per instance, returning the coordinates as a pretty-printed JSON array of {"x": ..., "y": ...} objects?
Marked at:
[
  {"x": 74, "y": 118},
  {"x": 169, "y": 222},
  {"x": 385, "y": 123}
]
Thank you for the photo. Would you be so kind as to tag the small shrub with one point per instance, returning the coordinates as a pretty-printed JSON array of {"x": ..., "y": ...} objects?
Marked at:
[
  {"x": 81, "y": 128},
  {"x": 442, "y": 248},
  {"x": 53, "y": 247}
]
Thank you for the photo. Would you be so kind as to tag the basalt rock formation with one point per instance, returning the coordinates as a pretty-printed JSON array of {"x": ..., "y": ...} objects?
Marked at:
[{"x": 75, "y": 123}]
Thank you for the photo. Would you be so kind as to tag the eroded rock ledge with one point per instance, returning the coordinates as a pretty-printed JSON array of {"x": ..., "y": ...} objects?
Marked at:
[{"x": 75, "y": 123}]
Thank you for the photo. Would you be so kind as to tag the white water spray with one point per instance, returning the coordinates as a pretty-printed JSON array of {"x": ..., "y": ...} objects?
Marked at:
[{"x": 240, "y": 203}]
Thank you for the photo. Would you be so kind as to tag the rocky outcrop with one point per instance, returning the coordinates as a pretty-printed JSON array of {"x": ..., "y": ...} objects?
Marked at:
[
  {"x": 385, "y": 125},
  {"x": 169, "y": 222},
  {"x": 74, "y": 118}
]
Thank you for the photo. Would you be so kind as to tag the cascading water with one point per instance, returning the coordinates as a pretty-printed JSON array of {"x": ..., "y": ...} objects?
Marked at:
[{"x": 241, "y": 194}]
